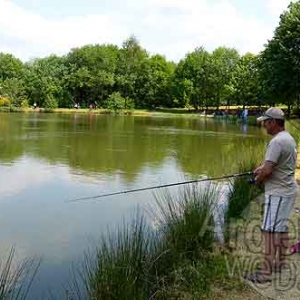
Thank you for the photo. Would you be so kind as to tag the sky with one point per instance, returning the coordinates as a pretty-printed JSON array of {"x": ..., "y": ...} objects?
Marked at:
[{"x": 37, "y": 28}]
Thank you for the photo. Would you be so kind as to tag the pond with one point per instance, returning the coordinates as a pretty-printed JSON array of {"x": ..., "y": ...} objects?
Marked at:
[{"x": 47, "y": 159}]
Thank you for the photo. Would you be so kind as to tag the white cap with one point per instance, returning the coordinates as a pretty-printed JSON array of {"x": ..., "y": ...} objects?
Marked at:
[{"x": 272, "y": 113}]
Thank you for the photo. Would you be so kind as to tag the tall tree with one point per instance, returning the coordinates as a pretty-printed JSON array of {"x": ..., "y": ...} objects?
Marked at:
[
  {"x": 224, "y": 63},
  {"x": 281, "y": 59},
  {"x": 153, "y": 82},
  {"x": 246, "y": 81},
  {"x": 91, "y": 70},
  {"x": 14, "y": 90},
  {"x": 193, "y": 78},
  {"x": 130, "y": 59},
  {"x": 44, "y": 79},
  {"x": 10, "y": 67}
]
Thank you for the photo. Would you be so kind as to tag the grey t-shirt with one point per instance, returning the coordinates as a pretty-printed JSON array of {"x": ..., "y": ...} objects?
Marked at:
[{"x": 282, "y": 150}]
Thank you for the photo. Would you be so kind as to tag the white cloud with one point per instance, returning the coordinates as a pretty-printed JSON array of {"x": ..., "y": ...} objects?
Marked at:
[
  {"x": 276, "y": 7},
  {"x": 203, "y": 23},
  {"x": 170, "y": 27},
  {"x": 42, "y": 36}
]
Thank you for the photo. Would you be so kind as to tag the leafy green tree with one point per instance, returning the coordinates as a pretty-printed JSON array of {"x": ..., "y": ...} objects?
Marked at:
[
  {"x": 80, "y": 84},
  {"x": 46, "y": 78},
  {"x": 246, "y": 86},
  {"x": 181, "y": 90},
  {"x": 10, "y": 67},
  {"x": 14, "y": 90},
  {"x": 153, "y": 83},
  {"x": 193, "y": 78},
  {"x": 280, "y": 61},
  {"x": 129, "y": 65},
  {"x": 50, "y": 102},
  {"x": 91, "y": 73},
  {"x": 224, "y": 63}
]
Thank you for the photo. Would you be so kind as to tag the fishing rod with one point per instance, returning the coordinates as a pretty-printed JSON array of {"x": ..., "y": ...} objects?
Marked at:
[{"x": 161, "y": 186}]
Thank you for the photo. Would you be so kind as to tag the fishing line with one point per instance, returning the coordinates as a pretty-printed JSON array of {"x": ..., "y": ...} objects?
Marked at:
[{"x": 161, "y": 186}]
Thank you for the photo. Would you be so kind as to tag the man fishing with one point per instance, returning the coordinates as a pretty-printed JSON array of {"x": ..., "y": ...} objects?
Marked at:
[{"x": 277, "y": 173}]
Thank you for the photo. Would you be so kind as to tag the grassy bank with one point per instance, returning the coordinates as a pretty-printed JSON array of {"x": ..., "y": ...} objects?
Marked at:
[
  {"x": 134, "y": 112},
  {"x": 251, "y": 120},
  {"x": 174, "y": 261},
  {"x": 174, "y": 256}
]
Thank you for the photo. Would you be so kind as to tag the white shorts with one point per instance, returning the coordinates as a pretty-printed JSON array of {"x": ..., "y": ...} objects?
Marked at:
[{"x": 277, "y": 211}]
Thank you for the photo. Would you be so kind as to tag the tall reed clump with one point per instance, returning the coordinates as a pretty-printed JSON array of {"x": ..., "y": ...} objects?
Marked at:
[
  {"x": 242, "y": 192},
  {"x": 165, "y": 261},
  {"x": 15, "y": 282},
  {"x": 186, "y": 264},
  {"x": 121, "y": 265},
  {"x": 186, "y": 220}
]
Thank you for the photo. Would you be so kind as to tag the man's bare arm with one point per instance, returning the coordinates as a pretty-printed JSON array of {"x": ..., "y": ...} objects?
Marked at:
[{"x": 264, "y": 172}]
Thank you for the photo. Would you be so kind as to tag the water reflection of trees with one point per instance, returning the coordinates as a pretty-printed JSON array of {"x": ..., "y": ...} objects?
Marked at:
[{"x": 103, "y": 144}]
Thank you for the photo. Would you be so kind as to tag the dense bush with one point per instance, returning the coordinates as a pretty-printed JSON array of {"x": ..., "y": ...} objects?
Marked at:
[
  {"x": 13, "y": 88},
  {"x": 4, "y": 102},
  {"x": 50, "y": 102},
  {"x": 115, "y": 102},
  {"x": 24, "y": 104}
]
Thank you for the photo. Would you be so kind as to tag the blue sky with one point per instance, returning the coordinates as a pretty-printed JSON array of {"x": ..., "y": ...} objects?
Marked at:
[{"x": 36, "y": 28}]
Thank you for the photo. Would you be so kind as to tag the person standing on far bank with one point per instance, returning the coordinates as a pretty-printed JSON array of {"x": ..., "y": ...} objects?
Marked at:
[{"x": 277, "y": 173}]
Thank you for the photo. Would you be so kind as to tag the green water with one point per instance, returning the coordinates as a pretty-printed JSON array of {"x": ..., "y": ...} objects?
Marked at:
[{"x": 46, "y": 159}]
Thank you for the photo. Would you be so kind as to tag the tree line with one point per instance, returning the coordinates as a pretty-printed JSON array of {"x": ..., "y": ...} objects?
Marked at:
[{"x": 109, "y": 76}]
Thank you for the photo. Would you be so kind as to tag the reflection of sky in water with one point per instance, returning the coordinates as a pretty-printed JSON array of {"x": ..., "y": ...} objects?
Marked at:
[{"x": 36, "y": 220}]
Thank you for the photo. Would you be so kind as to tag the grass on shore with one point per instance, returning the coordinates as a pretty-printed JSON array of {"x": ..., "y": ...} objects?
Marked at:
[{"x": 174, "y": 257}]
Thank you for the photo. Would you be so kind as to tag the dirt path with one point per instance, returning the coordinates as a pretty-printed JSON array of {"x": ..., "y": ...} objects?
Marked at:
[
  {"x": 246, "y": 294},
  {"x": 284, "y": 286}
]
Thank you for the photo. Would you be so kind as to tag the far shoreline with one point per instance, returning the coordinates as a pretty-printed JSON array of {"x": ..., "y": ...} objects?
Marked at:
[
  {"x": 135, "y": 112},
  {"x": 223, "y": 112},
  {"x": 141, "y": 113}
]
